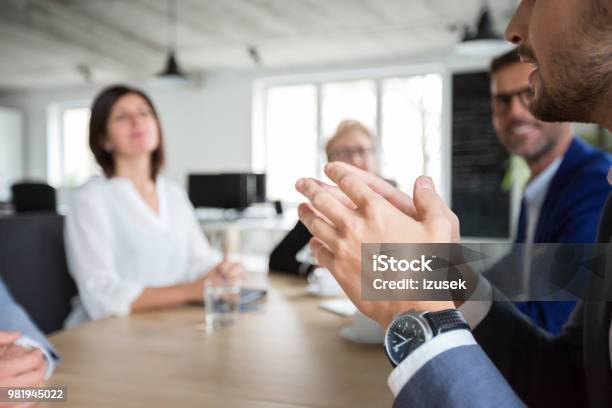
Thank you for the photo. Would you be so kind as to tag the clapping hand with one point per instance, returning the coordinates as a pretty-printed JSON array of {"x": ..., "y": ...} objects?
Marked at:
[{"x": 366, "y": 210}]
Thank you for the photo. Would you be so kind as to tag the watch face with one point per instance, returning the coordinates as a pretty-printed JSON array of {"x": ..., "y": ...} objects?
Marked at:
[{"x": 406, "y": 334}]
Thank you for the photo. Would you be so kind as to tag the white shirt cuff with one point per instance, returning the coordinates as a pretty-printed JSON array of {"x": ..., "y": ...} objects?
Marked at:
[
  {"x": 474, "y": 311},
  {"x": 414, "y": 362},
  {"x": 25, "y": 341}
]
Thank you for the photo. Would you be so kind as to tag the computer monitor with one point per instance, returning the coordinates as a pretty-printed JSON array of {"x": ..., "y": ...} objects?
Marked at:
[{"x": 226, "y": 190}]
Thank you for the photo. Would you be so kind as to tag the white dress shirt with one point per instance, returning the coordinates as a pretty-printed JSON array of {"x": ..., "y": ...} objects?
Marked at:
[
  {"x": 117, "y": 245},
  {"x": 535, "y": 194}
]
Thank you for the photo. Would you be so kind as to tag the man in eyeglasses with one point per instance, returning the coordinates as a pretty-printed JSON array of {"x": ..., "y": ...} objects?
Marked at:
[
  {"x": 567, "y": 190},
  {"x": 568, "y": 44}
]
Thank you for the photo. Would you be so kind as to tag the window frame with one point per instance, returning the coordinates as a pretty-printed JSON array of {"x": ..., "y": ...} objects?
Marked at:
[{"x": 56, "y": 172}]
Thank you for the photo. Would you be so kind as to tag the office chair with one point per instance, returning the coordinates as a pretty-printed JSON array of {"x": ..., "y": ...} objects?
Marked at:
[
  {"x": 33, "y": 197},
  {"x": 33, "y": 267}
]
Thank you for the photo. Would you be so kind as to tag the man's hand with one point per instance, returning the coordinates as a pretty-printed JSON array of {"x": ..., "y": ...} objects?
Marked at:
[
  {"x": 339, "y": 228},
  {"x": 7, "y": 340},
  {"x": 399, "y": 199},
  {"x": 20, "y": 366}
]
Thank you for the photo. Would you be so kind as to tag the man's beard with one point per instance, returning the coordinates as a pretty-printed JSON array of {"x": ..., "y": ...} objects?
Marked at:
[
  {"x": 548, "y": 142},
  {"x": 575, "y": 92},
  {"x": 580, "y": 77},
  {"x": 543, "y": 150}
]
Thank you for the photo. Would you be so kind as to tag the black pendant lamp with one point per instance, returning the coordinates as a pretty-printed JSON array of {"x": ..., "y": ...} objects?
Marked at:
[
  {"x": 484, "y": 41},
  {"x": 172, "y": 70}
]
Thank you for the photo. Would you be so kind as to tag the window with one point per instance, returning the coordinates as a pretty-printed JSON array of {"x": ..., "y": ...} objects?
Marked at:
[
  {"x": 291, "y": 118},
  {"x": 406, "y": 112},
  {"x": 70, "y": 161},
  {"x": 342, "y": 100},
  {"x": 411, "y": 129}
]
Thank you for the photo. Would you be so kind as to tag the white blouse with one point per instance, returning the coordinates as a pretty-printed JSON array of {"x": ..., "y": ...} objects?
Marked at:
[{"x": 116, "y": 245}]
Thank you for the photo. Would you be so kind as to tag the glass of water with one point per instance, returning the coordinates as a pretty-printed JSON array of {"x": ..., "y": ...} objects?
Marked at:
[{"x": 221, "y": 304}]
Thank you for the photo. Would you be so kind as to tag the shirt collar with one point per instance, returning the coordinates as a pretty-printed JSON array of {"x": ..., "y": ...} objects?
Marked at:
[{"x": 537, "y": 188}]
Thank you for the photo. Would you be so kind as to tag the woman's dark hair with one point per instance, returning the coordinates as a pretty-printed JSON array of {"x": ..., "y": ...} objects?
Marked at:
[{"x": 100, "y": 113}]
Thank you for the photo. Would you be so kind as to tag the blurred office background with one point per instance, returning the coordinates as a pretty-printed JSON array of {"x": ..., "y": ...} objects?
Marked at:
[
  {"x": 248, "y": 93},
  {"x": 260, "y": 87}
]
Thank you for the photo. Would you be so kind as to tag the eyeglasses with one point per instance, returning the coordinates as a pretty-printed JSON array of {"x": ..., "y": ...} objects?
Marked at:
[
  {"x": 501, "y": 102},
  {"x": 348, "y": 154}
]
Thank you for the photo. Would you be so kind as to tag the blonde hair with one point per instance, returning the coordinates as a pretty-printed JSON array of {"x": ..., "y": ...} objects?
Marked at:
[{"x": 347, "y": 126}]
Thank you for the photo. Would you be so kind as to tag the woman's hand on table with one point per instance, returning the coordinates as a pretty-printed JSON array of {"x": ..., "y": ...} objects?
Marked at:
[{"x": 226, "y": 271}]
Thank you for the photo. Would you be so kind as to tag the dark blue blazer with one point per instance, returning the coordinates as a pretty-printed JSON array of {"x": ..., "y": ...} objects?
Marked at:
[
  {"x": 570, "y": 214},
  {"x": 570, "y": 370}
]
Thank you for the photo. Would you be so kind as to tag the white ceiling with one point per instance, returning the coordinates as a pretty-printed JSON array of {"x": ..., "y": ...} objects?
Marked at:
[{"x": 44, "y": 42}]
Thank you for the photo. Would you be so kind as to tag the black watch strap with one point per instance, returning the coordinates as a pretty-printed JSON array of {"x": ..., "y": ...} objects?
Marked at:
[{"x": 446, "y": 320}]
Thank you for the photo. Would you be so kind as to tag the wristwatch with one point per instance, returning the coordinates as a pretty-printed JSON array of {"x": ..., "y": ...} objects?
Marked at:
[{"x": 410, "y": 330}]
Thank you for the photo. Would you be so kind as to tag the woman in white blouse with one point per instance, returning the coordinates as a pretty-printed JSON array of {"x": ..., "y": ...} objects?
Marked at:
[{"x": 132, "y": 239}]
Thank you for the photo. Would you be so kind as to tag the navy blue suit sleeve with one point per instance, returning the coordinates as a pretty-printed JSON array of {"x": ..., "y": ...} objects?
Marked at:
[
  {"x": 460, "y": 377},
  {"x": 542, "y": 369}
]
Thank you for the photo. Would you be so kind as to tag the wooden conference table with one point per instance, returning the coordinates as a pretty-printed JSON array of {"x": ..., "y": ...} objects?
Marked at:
[{"x": 288, "y": 355}]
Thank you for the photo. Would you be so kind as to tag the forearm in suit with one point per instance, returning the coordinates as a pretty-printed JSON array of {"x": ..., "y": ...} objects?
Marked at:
[
  {"x": 14, "y": 318},
  {"x": 282, "y": 258},
  {"x": 460, "y": 377},
  {"x": 543, "y": 370}
]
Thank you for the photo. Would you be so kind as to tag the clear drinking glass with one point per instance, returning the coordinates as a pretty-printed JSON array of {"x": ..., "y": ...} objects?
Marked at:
[{"x": 221, "y": 304}]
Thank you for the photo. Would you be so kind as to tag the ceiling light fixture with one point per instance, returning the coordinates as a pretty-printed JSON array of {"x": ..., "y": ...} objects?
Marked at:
[
  {"x": 484, "y": 41},
  {"x": 172, "y": 72}
]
